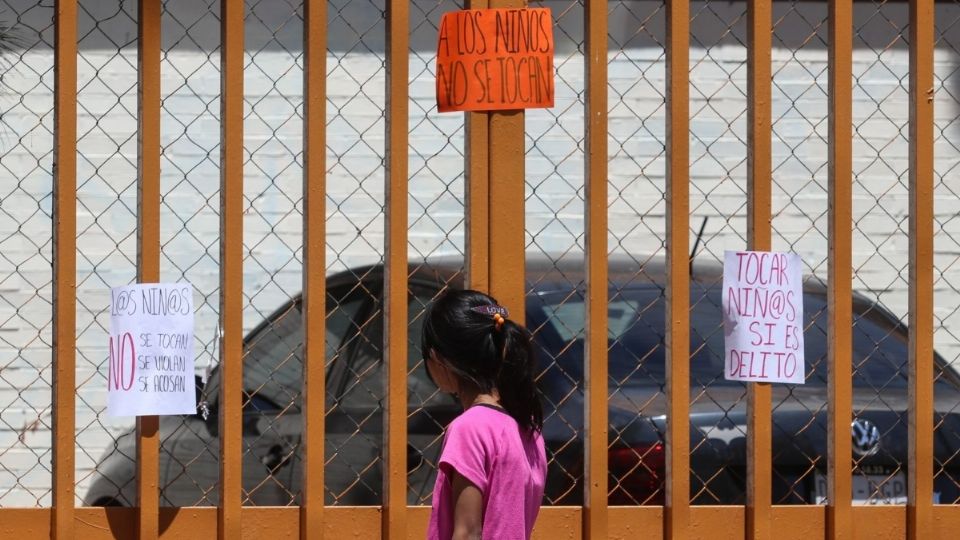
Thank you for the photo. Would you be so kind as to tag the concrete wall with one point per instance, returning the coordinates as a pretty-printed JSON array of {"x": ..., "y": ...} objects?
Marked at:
[{"x": 554, "y": 221}]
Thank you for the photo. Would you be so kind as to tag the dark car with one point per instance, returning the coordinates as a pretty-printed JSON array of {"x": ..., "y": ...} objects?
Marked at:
[{"x": 272, "y": 379}]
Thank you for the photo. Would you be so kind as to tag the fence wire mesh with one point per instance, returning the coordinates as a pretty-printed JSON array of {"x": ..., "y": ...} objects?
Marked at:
[
  {"x": 637, "y": 167},
  {"x": 190, "y": 114},
  {"x": 947, "y": 231},
  {"x": 106, "y": 224},
  {"x": 880, "y": 171},
  {"x": 437, "y": 237},
  {"x": 799, "y": 166},
  {"x": 554, "y": 240},
  {"x": 718, "y": 160},
  {"x": 26, "y": 162},
  {"x": 356, "y": 123}
]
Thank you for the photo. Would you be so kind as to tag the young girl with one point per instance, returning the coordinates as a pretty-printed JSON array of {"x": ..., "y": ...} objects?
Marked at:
[{"x": 493, "y": 464}]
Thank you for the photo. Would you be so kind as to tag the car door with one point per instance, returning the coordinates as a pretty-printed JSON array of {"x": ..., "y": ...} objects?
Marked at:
[
  {"x": 272, "y": 358},
  {"x": 272, "y": 371},
  {"x": 272, "y": 380},
  {"x": 272, "y": 419},
  {"x": 354, "y": 420},
  {"x": 348, "y": 309}
]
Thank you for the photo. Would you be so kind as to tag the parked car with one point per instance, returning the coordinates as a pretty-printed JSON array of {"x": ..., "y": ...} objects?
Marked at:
[{"x": 272, "y": 424}]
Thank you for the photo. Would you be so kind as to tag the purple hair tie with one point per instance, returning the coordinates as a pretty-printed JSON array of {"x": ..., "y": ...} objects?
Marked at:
[{"x": 491, "y": 310}]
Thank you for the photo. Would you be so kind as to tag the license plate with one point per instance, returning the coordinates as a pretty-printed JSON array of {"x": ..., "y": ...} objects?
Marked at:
[{"x": 869, "y": 489}]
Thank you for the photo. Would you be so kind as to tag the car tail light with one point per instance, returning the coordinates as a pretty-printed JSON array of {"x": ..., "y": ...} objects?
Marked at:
[{"x": 637, "y": 474}]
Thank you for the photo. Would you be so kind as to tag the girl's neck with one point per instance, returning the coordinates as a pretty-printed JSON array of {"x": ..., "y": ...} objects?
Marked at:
[{"x": 469, "y": 398}]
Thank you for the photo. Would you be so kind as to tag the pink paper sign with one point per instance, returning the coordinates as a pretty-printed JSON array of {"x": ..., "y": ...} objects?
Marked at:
[{"x": 763, "y": 317}]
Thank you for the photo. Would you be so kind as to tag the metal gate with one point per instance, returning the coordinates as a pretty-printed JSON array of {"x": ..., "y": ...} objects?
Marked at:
[{"x": 595, "y": 124}]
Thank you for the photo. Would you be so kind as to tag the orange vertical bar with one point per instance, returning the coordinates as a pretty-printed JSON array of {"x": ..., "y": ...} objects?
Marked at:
[
  {"x": 596, "y": 426},
  {"x": 677, "y": 514},
  {"x": 314, "y": 264},
  {"x": 759, "y": 427},
  {"x": 840, "y": 265},
  {"x": 506, "y": 202},
  {"x": 395, "y": 416},
  {"x": 64, "y": 266},
  {"x": 148, "y": 243},
  {"x": 231, "y": 266},
  {"x": 920, "y": 466},
  {"x": 477, "y": 195},
  {"x": 478, "y": 192}
]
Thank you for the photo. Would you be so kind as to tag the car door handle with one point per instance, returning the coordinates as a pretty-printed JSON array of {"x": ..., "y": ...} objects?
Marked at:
[{"x": 274, "y": 459}]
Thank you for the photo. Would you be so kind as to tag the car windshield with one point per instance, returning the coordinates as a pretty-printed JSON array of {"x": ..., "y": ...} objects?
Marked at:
[{"x": 637, "y": 340}]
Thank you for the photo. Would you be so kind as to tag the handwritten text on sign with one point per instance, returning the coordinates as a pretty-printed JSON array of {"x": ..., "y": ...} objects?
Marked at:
[
  {"x": 151, "y": 350},
  {"x": 495, "y": 59},
  {"x": 763, "y": 317}
]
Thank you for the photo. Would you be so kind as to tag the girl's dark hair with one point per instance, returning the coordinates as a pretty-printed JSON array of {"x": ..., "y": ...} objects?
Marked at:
[{"x": 483, "y": 353}]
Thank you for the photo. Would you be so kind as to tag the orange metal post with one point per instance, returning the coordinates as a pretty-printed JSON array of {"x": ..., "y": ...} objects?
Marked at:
[
  {"x": 677, "y": 513},
  {"x": 64, "y": 266},
  {"x": 314, "y": 264},
  {"x": 148, "y": 243},
  {"x": 478, "y": 192},
  {"x": 759, "y": 430},
  {"x": 920, "y": 466},
  {"x": 395, "y": 314},
  {"x": 839, "y": 286},
  {"x": 595, "y": 493},
  {"x": 506, "y": 202},
  {"x": 231, "y": 266}
]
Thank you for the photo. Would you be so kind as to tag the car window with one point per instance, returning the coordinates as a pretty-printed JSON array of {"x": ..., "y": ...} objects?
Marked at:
[
  {"x": 879, "y": 348},
  {"x": 568, "y": 318},
  {"x": 273, "y": 356},
  {"x": 273, "y": 361},
  {"x": 637, "y": 341},
  {"x": 363, "y": 384}
]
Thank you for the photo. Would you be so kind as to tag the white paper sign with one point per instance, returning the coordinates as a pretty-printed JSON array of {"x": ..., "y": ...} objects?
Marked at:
[
  {"x": 763, "y": 317},
  {"x": 151, "y": 350}
]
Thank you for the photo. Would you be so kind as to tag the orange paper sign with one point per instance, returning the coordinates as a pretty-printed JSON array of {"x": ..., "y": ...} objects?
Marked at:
[{"x": 495, "y": 59}]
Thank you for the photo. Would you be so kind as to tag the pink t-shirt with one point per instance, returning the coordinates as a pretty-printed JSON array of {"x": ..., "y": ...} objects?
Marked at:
[{"x": 487, "y": 447}]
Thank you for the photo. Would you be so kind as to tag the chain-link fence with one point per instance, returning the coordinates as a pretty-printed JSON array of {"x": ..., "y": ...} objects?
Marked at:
[
  {"x": 947, "y": 231},
  {"x": 26, "y": 146},
  {"x": 356, "y": 123}
]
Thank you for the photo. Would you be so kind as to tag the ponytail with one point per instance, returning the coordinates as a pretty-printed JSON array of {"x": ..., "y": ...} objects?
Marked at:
[
  {"x": 515, "y": 380},
  {"x": 486, "y": 350}
]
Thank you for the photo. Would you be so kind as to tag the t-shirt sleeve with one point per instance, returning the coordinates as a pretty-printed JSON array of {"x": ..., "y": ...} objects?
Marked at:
[{"x": 465, "y": 453}]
